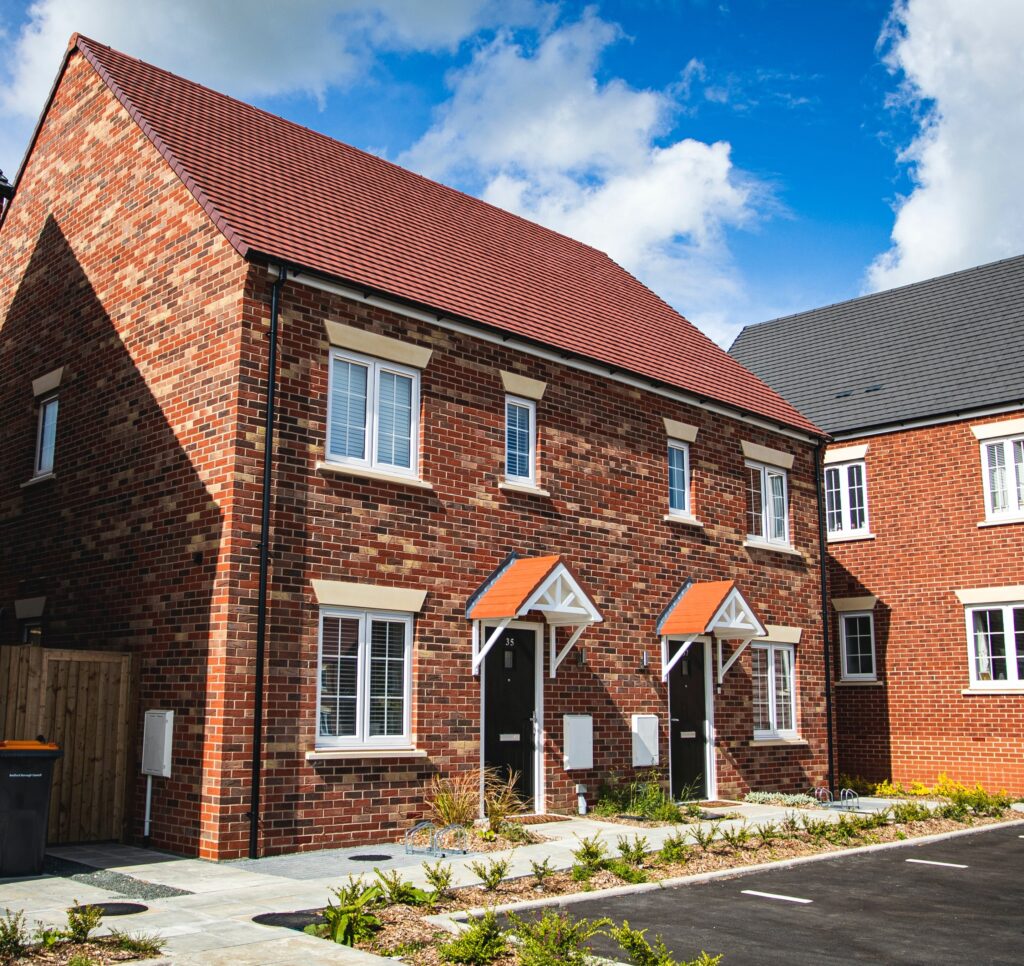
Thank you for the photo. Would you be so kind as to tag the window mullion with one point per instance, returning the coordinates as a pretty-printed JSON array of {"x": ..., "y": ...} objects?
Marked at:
[
  {"x": 773, "y": 716},
  {"x": 363, "y": 680},
  {"x": 373, "y": 394}
]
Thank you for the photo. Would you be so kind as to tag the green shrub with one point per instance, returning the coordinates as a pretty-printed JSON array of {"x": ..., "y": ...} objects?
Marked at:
[
  {"x": 790, "y": 824},
  {"x": 398, "y": 892},
  {"x": 904, "y": 812},
  {"x": 439, "y": 877},
  {"x": 46, "y": 936},
  {"x": 704, "y": 835},
  {"x": 83, "y": 920},
  {"x": 13, "y": 935},
  {"x": 490, "y": 873},
  {"x": 778, "y": 798},
  {"x": 141, "y": 943},
  {"x": 842, "y": 832},
  {"x": 625, "y": 871},
  {"x": 80, "y": 959},
  {"x": 767, "y": 832},
  {"x": 674, "y": 849},
  {"x": 454, "y": 799},
  {"x": 644, "y": 796},
  {"x": 501, "y": 797},
  {"x": 642, "y": 953},
  {"x": 591, "y": 854},
  {"x": 351, "y": 921},
  {"x": 555, "y": 939},
  {"x": 482, "y": 942},
  {"x": 516, "y": 833},
  {"x": 633, "y": 852},
  {"x": 736, "y": 836},
  {"x": 541, "y": 871}
]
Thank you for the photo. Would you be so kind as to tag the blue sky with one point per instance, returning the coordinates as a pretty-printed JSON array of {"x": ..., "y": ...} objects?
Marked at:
[{"x": 746, "y": 159}]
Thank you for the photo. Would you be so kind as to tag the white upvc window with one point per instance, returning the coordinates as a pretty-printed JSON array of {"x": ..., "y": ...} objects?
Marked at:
[
  {"x": 846, "y": 499},
  {"x": 373, "y": 413},
  {"x": 46, "y": 437},
  {"x": 857, "y": 644},
  {"x": 772, "y": 673},
  {"x": 364, "y": 678},
  {"x": 679, "y": 479},
  {"x": 1002, "y": 462},
  {"x": 767, "y": 504},
  {"x": 995, "y": 635},
  {"x": 520, "y": 440}
]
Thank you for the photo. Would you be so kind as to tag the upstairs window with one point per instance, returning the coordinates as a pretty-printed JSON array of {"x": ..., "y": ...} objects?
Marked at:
[
  {"x": 1003, "y": 469},
  {"x": 774, "y": 691},
  {"x": 857, "y": 641},
  {"x": 364, "y": 678},
  {"x": 46, "y": 436},
  {"x": 996, "y": 635},
  {"x": 767, "y": 504},
  {"x": 520, "y": 440},
  {"x": 373, "y": 413},
  {"x": 846, "y": 500},
  {"x": 679, "y": 479}
]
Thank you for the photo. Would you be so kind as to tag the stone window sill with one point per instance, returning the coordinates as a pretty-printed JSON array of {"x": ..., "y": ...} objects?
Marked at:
[
  {"x": 1001, "y": 522},
  {"x": 872, "y": 683},
  {"x": 342, "y": 754},
  {"x": 778, "y": 743},
  {"x": 973, "y": 691},
  {"x": 342, "y": 469},
  {"x": 774, "y": 548},
  {"x": 522, "y": 488},
  {"x": 683, "y": 520},
  {"x": 850, "y": 537},
  {"x": 42, "y": 477}
]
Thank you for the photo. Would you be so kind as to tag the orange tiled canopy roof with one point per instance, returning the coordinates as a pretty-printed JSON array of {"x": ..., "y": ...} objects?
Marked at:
[{"x": 693, "y": 611}]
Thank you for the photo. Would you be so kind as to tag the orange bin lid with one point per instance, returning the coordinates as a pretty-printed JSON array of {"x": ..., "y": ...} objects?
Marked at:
[{"x": 29, "y": 746}]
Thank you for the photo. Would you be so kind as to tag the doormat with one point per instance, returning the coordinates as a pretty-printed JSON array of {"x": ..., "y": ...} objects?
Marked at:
[{"x": 537, "y": 819}]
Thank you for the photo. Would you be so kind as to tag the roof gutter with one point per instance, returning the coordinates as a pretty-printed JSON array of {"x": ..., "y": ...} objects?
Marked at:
[
  {"x": 819, "y": 456},
  {"x": 269, "y": 420}
]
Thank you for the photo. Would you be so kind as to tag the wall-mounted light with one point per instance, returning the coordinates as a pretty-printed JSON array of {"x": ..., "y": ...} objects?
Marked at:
[
  {"x": 645, "y": 662},
  {"x": 581, "y": 657}
]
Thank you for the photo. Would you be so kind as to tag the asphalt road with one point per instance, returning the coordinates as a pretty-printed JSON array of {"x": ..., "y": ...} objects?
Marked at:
[{"x": 868, "y": 908}]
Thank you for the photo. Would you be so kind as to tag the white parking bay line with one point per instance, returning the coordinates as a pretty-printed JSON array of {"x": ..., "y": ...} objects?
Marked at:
[
  {"x": 772, "y": 895},
  {"x": 948, "y": 865}
]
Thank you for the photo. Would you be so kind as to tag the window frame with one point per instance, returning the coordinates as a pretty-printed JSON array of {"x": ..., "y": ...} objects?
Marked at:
[
  {"x": 766, "y": 471},
  {"x": 686, "y": 512},
  {"x": 530, "y": 405},
  {"x": 769, "y": 734},
  {"x": 375, "y": 367},
  {"x": 1014, "y": 682},
  {"x": 52, "y": 399},
  {"x": 362, "y": 738},
  {"x": 1013, "y": 483},
  {"x": 845, "y": 675},
  {"x": 846, "y": 529}
]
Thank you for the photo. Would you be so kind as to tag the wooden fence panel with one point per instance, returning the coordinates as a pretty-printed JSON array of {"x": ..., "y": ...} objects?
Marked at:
[{"x": 81, "y": 700}]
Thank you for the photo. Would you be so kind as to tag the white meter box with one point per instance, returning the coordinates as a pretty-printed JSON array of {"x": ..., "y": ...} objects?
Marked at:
[
  {"x": 578, "y": 741},
  {"x": 156, "y": 743},
  {"x": 645, "y": 740}
]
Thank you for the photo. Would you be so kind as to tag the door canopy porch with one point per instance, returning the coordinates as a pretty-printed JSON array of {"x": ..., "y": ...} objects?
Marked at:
[
  {"x": 524, "y": 584},
  {"x": 706, "y": 611}
]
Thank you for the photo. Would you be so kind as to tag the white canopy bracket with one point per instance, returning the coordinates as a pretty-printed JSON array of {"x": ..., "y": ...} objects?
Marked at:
[
  {"x": 556, "y": 661},
  {"x": 740, "y": 648},
  {"x": 667, "y": 663},
  {"x": 479, "y": 653}
]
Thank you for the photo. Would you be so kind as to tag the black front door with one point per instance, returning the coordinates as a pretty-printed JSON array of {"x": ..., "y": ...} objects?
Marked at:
[
  {"x": 687, "y": 719},
  {"x": 510, "y": 704}
]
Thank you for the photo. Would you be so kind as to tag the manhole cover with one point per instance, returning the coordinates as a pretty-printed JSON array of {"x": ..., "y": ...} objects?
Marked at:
[
  {"x": 120, "y": 908},
  {"x": 371, "y": 857},
  {"x": 290, "y": 920}
]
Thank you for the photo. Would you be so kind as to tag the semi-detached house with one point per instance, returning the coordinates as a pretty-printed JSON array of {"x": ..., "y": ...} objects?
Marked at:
[
  {"x": 520, "y": 512},
  {"x": 922, "y": 388}
]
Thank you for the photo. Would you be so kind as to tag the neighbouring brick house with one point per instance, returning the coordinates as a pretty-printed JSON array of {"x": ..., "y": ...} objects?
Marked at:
[
  {"x": 509, "y": 485},
  {"x": 922, "y": 388}
]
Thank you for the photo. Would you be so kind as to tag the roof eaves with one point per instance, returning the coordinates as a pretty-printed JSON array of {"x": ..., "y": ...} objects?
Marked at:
[{"x": 222, "y": 224}]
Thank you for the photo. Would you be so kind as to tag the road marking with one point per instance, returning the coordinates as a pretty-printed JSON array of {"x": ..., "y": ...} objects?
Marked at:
[
  {"x": 948, "y": 865},
  {"x": 772, "y": 895}
]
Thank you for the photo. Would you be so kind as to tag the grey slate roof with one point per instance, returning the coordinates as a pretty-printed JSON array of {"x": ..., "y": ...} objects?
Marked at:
[{"x": 935, "y": 348}]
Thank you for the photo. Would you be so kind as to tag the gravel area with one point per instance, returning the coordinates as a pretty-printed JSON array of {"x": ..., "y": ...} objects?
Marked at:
[{"x": 125, "y": 885}]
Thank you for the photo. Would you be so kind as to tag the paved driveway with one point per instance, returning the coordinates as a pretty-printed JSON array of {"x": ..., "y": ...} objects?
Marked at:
[{"x": 877, "y": 907}]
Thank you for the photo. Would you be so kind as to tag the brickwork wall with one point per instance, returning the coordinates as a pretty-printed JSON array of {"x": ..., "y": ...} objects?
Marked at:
[
  {"x": 111, "y": 270},
  {"x": 925, "y": 503}
]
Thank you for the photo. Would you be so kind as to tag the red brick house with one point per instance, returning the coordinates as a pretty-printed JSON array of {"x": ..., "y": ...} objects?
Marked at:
[
  {"x": 922, "y": 388},
  {"x": 508, "y": 486}
]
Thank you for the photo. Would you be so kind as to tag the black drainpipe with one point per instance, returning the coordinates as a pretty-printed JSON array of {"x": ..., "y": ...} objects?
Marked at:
[
  {"x": 825, "y": 616},
  {"x": 261, "y": 604}
]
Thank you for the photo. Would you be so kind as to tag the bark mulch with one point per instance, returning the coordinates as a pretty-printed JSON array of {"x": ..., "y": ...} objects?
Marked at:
[{"x": 97, "y": 951}]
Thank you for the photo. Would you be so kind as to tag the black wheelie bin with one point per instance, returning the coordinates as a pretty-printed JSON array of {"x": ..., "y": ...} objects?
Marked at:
[{"x": 26, "y": 773}]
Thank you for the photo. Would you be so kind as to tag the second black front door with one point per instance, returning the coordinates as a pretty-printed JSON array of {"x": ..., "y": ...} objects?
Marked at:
[
  {"x": 510, "y": 705},
  {"x": 687, "y": 719}
]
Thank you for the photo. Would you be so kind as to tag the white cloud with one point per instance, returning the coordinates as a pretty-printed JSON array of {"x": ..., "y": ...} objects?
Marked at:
[
  {"x": 535, "y": 132},
  {"x": 256, "y": 49},
  {"x": 962, "y": 67}
]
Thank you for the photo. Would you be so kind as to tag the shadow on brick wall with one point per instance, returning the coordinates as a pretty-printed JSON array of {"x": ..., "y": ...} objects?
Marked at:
[{"x": 123, "y": 540}]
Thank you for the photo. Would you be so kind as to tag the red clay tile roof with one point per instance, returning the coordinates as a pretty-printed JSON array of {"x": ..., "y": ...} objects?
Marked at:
[
  {"x": 277, "y": 189},
  {"x": 694, "y": 610}
]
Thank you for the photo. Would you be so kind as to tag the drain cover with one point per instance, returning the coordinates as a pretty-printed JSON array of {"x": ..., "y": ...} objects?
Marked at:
[
  {"x": 120, "y": 908},
  {"x": 371, "y": 857},
  {"x": 290, "y": 920}
]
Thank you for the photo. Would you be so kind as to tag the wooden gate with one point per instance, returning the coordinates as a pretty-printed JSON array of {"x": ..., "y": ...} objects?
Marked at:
[{"x": 82, "y": 700}]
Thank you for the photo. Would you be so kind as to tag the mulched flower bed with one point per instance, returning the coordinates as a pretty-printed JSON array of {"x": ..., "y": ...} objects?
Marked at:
[
  {"x": 97, "y": 950},
  {"x": 407, "y": 934}
]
